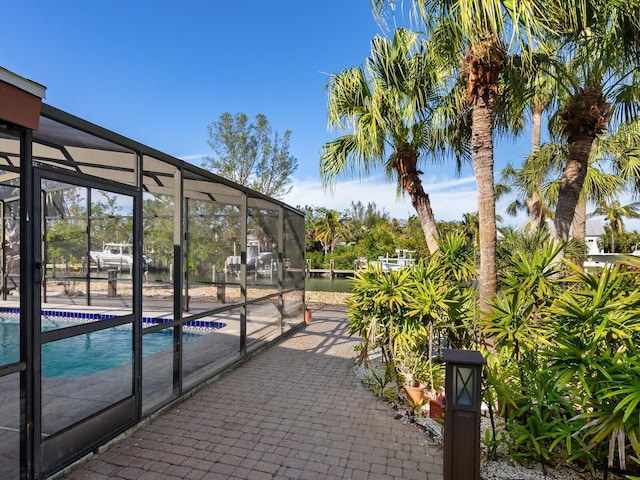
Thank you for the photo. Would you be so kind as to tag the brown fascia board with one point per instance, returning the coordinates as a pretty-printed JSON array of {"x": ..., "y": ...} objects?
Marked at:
[{"x": 20, "y": 100}]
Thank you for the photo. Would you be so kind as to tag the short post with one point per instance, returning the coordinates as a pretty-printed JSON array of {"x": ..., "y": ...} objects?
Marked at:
[
  {"x": 112, "y": 283},
  {"x": 462, "y": 413},
  {"x": 220, "y": 283}
]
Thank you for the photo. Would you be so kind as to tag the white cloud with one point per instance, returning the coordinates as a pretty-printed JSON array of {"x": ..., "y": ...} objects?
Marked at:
[{"x": 450, "y": 199}]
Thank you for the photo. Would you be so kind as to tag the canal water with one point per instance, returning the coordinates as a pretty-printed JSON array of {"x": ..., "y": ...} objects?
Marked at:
[{"x": 325, "y": 284}]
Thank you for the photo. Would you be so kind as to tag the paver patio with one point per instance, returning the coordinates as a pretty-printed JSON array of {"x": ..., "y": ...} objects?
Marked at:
[{"x": 294, "y": 411}]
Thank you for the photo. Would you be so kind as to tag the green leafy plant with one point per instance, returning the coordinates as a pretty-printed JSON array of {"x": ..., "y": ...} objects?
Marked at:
[
  {"x": 409, "y": 363},
  {"x": 399, "y": 311},
  {"x": 492, "y": 442},
  {"x": 379, "y": 383},
  {"x": 543, "y": 424},
  {"x": 595, "y": 348},
  {"x": 636, "y": 460}
]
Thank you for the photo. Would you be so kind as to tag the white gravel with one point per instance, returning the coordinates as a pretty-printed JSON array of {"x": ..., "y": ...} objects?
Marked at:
[{"x": 503, "y": 470}]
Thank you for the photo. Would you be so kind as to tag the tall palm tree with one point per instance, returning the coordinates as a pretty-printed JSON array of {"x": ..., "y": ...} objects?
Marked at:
[
  {"x": 540, "y": 164},
  {"x": 613, "y": 213},
  {"x": 614, "y": 163},
  {"x": 602, "y": 40},
  {"x": 384, "y": 107},
  {"x": 470, "y": 227},
  {"x": 479, "y": 35}
]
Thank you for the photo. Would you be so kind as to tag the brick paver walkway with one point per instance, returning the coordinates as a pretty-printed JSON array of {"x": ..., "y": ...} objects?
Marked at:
[{"x": 295, "y": 411}]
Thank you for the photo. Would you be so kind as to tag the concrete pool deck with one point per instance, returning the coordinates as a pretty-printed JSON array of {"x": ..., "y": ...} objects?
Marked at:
[{"x": 294, "y": 411}]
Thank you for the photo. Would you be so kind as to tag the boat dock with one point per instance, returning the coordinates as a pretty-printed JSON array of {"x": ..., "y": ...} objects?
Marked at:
[
  {"x": 327, "y": 272},
  {"x": 403, "y": 259}
]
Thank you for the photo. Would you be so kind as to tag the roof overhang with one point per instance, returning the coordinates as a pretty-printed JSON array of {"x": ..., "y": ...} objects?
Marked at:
[{"x": 20, "y": 100}]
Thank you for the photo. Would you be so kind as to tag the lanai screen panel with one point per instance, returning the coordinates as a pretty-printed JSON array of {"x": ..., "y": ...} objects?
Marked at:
[{"x": 293, "y": 248}]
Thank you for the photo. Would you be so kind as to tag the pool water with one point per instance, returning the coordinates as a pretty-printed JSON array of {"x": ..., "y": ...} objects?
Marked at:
[{"x": 85, "y": 354}]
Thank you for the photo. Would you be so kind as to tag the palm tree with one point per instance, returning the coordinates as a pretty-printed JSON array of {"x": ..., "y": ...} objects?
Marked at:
[
  {"x": 613, "y": 213},
  {"x": 538, "y": 181},
  {"x": 542, "y": 162},
  {"x": 328, "y": 230},
  {"x": 384, "y": 106},
  {"x": 618, "y": 151},
  {"x": 601, "y": 39},
  {"x": 479, "y": 35},
  {"x": 623, "y": 150},
  {"x": 470, "y": 228},
  {"x": 529, "y": 183}
]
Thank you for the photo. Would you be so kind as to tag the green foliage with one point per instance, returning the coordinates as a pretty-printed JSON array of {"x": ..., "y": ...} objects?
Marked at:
[
  {"x": 456, "y": 257},
  {"x": 401, "y": 310},
  {"x": 416, "y": 405},
  {"x": 248, "y": 154},
  {"x": 564, "y": 359},
  {"x": 329, "y": 229},
  {"x": 316, "y": 259},
  {"x": 379, "y": 383},
  {"x": 343, "y": 257},
  {"x": 66, "y": 223},
  {"x": 158, "y": 228},
  {"x": 492, "y": 443},
  {"x": 439, "y": 301},
  {"x": 625, "y": 242},
  {"x": 516, "y": 323},
  {"x": 543, "y": 423},
  {"x": 596, "y": 348},
  {"x": 631, "y": 477},
  {"x": 359, "y": 232}
]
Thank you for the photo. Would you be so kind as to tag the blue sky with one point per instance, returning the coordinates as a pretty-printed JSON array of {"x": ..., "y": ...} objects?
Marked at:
[{"x": 159, "y": 72}]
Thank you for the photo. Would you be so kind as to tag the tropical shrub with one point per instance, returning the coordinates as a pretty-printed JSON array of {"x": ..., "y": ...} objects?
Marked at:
[
  {"x": 596, "y": 347},
  {"x": 402, "y": 311},
  {"x": 564, "y": 360}
]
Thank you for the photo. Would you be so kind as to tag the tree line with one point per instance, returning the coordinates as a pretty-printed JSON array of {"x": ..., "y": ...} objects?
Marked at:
[{"x": 368, "y": 232}]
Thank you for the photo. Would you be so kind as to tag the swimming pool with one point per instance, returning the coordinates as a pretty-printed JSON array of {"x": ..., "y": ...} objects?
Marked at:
[{"x": 89, "y": 353}]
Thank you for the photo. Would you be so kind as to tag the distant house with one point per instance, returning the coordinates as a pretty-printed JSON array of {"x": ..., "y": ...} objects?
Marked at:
[{"x": 594, "y": 230}]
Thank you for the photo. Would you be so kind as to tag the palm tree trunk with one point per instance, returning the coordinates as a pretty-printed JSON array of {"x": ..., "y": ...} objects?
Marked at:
[
  {"x": 579, "y": 226},
  {"x": 585, "y": 115},
  {"x": 536, "y": 212},
  {"x": 571, "y": 184},
  {"x": 405, "y": 162},
  {"x": 482, "y": 151},
  {"x": 535, "y": 203},
  {"x": 536, "y": 129},
  {"x": 427, "y": 220},
  {"x": 613, "y": 242}
]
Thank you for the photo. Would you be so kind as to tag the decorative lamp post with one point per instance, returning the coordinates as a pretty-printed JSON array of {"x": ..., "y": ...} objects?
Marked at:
[{"x": 462, "y": 414}]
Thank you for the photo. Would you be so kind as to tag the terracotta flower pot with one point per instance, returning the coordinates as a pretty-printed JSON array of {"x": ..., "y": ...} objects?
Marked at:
[
  {"x": 436, "y": 406},
  {"x": 415, "y": 394}
]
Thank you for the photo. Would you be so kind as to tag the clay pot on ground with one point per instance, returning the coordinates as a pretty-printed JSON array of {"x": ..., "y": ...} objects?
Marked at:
[
  {"x": 414, "y": 392},
  {"x": 436, "y": 405}
]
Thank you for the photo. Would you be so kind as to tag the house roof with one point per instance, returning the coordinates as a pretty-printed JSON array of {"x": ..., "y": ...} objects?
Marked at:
[{"x": 594, "y": 228}]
